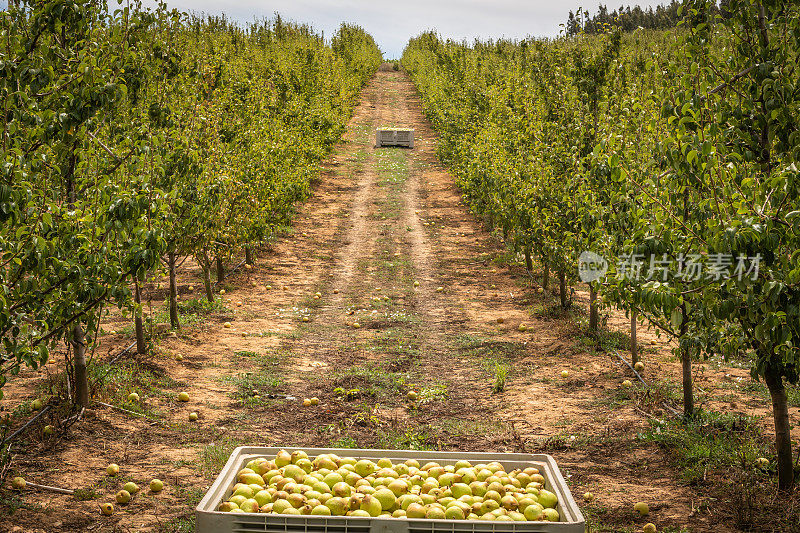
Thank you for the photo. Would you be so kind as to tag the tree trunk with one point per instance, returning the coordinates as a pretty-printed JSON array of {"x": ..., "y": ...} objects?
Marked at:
[
  {"x": 248, "y": 255},
  {"x": 207, "y": 282},
  {"x": 141, "y": 347},
  {"x": 634, "y": 345},
  {"x": 528, "y": 260},
  {"x": 79, "y": 365},
  {"x": 546, "y": 277},
  {"x": 562, "y": 286},
  {"x": 220, "y": 270},
  {"x": 686, "y": 361},
  {"x": 174, "y": 319},
  {"x": 594, "y": 317},
  {"x": 70, "y": 175},
  {"x": 783, "y": 438},
  {"x": 688, "y": 394}
]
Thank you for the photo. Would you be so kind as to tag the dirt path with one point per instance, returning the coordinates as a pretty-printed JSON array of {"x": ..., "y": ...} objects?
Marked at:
[{"x": 387, "y": 284}]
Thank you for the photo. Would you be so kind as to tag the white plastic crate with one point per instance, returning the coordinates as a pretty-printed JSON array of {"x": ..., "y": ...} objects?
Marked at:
[
  {"x": 394, "y": 137},
  {"x": 209, "y": 520}
]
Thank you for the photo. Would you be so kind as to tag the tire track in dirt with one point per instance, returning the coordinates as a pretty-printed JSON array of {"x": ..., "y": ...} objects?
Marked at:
[
  {"x": 441, "y": 313},
  {"x": 392, "y": 179},
  {"x": 355, "y": 240}
]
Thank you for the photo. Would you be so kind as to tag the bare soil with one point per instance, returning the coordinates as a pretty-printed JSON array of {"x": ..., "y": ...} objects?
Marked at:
[{"x": 378, "y": 221}]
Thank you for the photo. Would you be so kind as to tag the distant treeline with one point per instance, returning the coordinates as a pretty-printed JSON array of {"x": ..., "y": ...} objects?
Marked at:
[{"x": 628, "y": 18}]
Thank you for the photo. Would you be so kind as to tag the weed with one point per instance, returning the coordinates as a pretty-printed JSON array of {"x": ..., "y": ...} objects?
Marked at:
[
  {"x": 467, "y": 342},
  {"x": 564, "y": 441},
  {"x": 85, "y": 495},
  {"x": 433, "y": 393},
  {"x": 466, "y": 428},
  {"x": 251, "y": 384},
  {"x": 409, "y": 439},
  {"x": 180, "y": 524},
  {"x": 596, "y": 513},
  {"x": 759, "y": 389},
  {"x": 658, "y": 393},
  {"x": 500, "y": 373},
  {"x": 606, "y": 340},
  {"x": 370, "y": 379},
  {"x": 191, "y": 496},
  {"x": 179, "y": 463},
  {"x": 115, "y": 382},
  {"x": 345, "y": 441},
  {"x": 488, "y": 350},
  {"x": 200, "y": 306},
  {"x": 193, "y": 311},
  {"x": 22, "y": 410},
  {"x": 710, "y": 441},
  {"x": 214, "y": 456},
  {"x": 364, "y": 419},
  {"x": 11, "y": 502},
  {"x": 612, "y": 398},
  {"x": 755, "y": 503}
]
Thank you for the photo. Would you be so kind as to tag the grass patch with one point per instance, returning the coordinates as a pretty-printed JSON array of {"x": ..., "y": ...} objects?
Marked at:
[
  {"x": 191, "y": 312},
  {"x": 180, "y": 524},
  {"x": 391, "y": 167},
  {"x": 22, "y": 410},
  {"x": 488, "y": 350},
  {"x": 371, "y": 379},
  {"x": 113, "y": 383},
  {"x": 190, "y": 496},
  {"x": 651, "y": 398},
  {"x": 660, "y": 392},
  {"x": 467, "y": 428},
  {"x": 345, "y": 441},
  {"x": 200, "y": 306},
  {"x": 214, "y": 456},
  {"x": 602, "y": 519},
  {"x": 253, "y": 387},
  {"x": 408, "y": 439},
  {"x": 85, "y": 495},
  {"x": 606, "y": 341},
  {"x": 466, "y": 342},
  {"x": 612, "y": 398},
  {"x": 11, "y": 502},
  {"x": 433, "y": 393},
  {"x": 710, "y": 441},
  {"x": 760, "y": 390}
]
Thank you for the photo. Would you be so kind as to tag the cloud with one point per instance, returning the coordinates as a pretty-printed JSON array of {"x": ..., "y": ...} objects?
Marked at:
[{"x": 393, "y": 23}]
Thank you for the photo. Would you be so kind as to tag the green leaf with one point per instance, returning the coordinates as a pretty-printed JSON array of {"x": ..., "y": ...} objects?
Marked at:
[{"x": 676, "y": 318}]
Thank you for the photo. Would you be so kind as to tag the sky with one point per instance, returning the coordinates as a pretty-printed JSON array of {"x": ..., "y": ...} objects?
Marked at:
[{"x": 392, "y": 24}]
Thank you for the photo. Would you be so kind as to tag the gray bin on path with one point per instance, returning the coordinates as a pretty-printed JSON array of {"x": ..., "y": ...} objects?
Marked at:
[
  {"x": 394, "y": 137},
  {"x": 209, "y": 520}
]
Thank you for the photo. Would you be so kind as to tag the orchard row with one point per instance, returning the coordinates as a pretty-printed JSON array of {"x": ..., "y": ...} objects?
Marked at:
[
  {"x": 674, "y": 145},
  {"x": 134, "y": 138}
]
